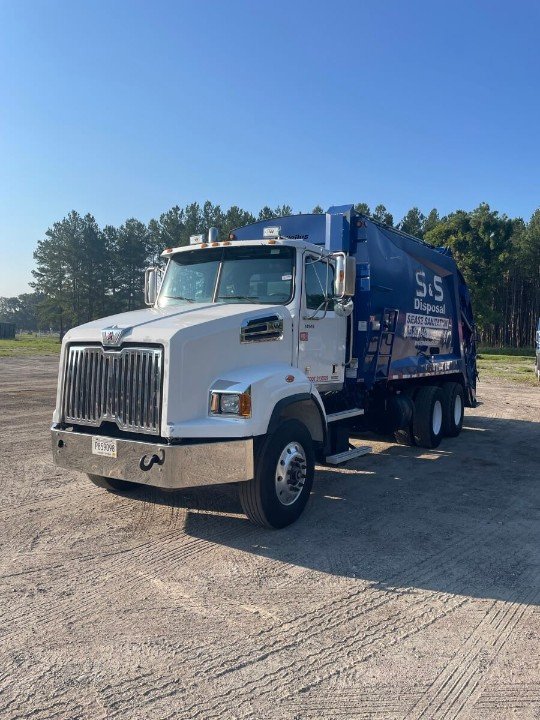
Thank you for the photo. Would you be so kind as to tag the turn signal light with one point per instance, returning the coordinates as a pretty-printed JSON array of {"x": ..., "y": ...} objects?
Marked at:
[
  {"x": 244, "y": 406},
  {"x": 214, "y": 403}
]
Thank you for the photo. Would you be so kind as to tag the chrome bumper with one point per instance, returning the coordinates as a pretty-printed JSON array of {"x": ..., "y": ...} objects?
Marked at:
[{"x": 179, "y": 466}]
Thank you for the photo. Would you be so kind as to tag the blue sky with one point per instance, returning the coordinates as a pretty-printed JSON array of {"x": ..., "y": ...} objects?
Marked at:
[{"x": 123, "y": 109}]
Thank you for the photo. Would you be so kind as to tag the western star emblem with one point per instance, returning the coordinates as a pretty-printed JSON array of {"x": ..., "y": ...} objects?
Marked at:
[{"x": 113, "y": 335}]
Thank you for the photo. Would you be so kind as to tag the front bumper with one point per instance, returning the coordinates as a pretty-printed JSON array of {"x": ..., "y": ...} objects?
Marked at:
[{"x": 179, "y": 466}]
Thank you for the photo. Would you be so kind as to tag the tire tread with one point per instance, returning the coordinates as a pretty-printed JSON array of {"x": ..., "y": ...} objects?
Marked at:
[
  {"x": 251, "y": 492},
  {"x": 423, "y": 403},
  {"x": 112, "y": 484}
]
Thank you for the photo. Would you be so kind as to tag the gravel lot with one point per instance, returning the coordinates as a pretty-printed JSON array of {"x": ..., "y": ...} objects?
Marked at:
[{"x": 409, "y": 588}]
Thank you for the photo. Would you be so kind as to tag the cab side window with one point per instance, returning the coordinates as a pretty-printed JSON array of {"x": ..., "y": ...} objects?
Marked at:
[{"x": 319, "y": 283}]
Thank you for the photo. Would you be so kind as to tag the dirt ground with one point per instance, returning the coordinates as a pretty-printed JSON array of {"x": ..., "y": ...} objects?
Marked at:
[{"x": 408, "y": 589}]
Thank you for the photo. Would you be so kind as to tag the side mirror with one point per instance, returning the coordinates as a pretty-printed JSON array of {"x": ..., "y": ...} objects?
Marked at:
[
  {"x": 152, "y": 283},
  {"x": 345, "y": 278}
]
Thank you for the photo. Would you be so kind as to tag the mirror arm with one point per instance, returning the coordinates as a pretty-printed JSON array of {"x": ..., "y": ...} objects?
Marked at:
[{"x": 325, "y": 302}]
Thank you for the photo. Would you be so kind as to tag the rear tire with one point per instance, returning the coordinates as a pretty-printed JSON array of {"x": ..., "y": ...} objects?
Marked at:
[
  {"x": 284, "y": 470},
  {"x": 453, "y": 408},
  {"x": 428, "y": 417},
  {"x": 405, "y": 436},
  {"x": 112, "y": 484}
]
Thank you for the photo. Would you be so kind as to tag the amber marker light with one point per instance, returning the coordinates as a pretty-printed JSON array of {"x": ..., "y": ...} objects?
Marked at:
[
  {"x": 214, "y": 403},
  {"x": 244, "y": 408}
]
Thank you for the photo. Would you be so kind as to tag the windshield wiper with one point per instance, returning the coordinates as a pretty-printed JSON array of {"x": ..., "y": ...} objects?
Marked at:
[
  {"x": 179, "y": 297},
  {"x": 237, "y": 297}
]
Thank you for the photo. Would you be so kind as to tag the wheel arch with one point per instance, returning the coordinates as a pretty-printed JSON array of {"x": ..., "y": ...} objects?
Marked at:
[{"x": 303, "y": 407}]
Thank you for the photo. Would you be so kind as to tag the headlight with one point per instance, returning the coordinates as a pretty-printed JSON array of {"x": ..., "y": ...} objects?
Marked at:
[{"x": 231, "y": 404}]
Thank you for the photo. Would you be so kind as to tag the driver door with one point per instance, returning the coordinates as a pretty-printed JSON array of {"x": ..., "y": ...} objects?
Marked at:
[{"x": 321, "y": 333}]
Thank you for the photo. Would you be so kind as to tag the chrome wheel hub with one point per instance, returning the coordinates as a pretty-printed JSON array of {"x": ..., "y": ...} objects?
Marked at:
[{"x": 291, "y": 473}]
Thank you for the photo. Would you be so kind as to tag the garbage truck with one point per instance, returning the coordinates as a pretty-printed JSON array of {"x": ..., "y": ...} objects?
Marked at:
[{"x": 265, "y": 352}]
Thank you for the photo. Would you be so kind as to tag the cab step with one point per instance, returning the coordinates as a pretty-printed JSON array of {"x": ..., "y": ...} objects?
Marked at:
[
  {"x": 344, "y": 414},
  {"x": 342, "y": 457}
]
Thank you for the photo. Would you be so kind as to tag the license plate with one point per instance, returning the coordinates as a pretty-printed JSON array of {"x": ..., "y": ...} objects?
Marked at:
[{"x": 100, "y": 446}]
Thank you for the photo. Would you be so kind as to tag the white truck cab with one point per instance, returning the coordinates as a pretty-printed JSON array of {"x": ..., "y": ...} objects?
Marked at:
[{"x": 219, "y": 380}]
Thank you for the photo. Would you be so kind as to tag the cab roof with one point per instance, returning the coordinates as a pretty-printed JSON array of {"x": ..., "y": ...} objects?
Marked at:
[{"x": 168, "y": 252}]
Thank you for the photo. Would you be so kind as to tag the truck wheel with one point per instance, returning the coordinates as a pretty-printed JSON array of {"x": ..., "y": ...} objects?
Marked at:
[
  {"x": 284, "y": 469},
  {"x": 428, "y": 417},
  {"x": 453, "y": 409},
  {"x": 112, "y": 483},
  {"x": 405, "y": 436}
]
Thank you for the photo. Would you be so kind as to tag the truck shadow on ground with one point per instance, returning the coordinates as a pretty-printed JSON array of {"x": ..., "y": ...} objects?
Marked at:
[{"x": 461, "y": 519}]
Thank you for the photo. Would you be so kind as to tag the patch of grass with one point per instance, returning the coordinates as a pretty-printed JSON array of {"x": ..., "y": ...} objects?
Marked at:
[
  {"x": 516, "y": 368},
  {"x": 521, "y": 352},
  {"x": 30, "y": 345}
]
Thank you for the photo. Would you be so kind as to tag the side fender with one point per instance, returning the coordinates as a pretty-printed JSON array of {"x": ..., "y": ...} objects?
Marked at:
[{"x": 279, "y": 391}]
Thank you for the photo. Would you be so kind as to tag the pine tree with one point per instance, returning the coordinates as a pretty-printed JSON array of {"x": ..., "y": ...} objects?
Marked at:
[
  {"x": 413, "y": 223},
  {"x": 382, "y": 215},
  {"x": 131, "y": 256}
]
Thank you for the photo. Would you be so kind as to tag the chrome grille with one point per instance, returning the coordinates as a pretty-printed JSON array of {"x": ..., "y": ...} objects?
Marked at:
[{"x": 122, "y": 386}]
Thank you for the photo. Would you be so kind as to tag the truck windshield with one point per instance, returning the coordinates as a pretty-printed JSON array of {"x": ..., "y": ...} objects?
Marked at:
[{"x": 254, "y": 274}]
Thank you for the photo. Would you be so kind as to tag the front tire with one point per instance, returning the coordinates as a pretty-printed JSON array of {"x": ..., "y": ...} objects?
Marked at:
[
  {"x": 428, "y": 417},
  {"x": 112, "y": 484},
  {"x": 284, "y": 470}
]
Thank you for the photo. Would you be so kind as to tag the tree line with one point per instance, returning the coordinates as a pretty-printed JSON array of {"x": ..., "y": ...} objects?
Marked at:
[{"x": 84, "y": 272}]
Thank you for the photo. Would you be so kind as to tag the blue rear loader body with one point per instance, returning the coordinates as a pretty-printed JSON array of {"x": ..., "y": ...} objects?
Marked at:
[{"x": 412, "y": 315}]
